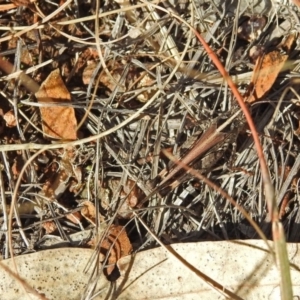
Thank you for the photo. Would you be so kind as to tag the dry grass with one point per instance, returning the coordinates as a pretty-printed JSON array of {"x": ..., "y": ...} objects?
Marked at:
[{"x": 140, "y": 83}]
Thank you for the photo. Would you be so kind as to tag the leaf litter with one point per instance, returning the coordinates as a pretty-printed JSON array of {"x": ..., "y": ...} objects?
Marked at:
[
  {"x": 58, "y": 122},
  {"x": 75, "y": 86}
]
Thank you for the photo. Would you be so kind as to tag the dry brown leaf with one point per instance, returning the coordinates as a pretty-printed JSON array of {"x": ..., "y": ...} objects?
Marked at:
[
  {"x": 58, "y": 121},
  {"x": 117, "y": 242},
  {"x": 265, "y": 73},
  {"x": 267, "y": 69}
]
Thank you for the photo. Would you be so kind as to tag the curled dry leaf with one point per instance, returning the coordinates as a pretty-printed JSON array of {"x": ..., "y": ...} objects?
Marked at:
[
  {"x": 117, "y": 242},
  {"x": 59, "y": 122}
]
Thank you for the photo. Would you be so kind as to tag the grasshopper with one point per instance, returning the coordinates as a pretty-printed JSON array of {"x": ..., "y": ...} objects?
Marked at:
[{"x": 211, "y": 139}]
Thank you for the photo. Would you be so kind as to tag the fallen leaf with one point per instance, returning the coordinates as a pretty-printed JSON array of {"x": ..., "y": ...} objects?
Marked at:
[
  {"x": 266, "y": 70},
  {"x": 117, "y": 243},
  {"x": 55, "y": 274},
  {"x": 265, "y": 73},
  {"x": 155, "y": 274},
  {"x": 246, "y": 268},
  {"x": 59, "y": 122}
]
